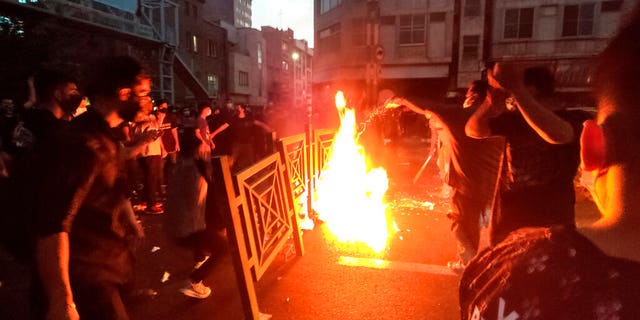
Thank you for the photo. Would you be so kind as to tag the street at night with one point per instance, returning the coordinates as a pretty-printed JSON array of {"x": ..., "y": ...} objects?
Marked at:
[{"x": 410, "y": 280}]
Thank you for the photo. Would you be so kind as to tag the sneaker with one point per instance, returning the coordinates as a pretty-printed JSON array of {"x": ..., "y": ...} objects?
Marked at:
[
  {"x": 196, "y": 290},
  {"x": 456, "y": 266},
  {"x": 156, "y": 209}
]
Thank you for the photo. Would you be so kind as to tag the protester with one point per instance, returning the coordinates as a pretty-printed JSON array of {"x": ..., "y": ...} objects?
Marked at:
[
  {"x": 28, "y": 141},
  {"x": 243, "y": 137},
  {"x": 192, "y": 203},
  {"x": 542, "y": 150},
  {"x": 473, "y": 169},
  {"x": 82, "y": 255},
  {"x": 593, "y": 272},
  {"x": 171, "y": 144},
  {"x": 150, "y": 159}
]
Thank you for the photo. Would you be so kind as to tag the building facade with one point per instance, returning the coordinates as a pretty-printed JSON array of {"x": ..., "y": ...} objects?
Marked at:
[
  {"x": 564, "y": 34},
  {"x": 247, "y": 67},
  {"x": 234, "y": 12},
  {"x": 201, "y": 57},
  {"x": 364, "y": 46},
  {"x": 428, "y": 50}
]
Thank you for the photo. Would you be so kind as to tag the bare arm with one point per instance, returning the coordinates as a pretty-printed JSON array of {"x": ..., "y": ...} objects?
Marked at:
[
  {"x": 478, "y": 124},
  {"x": 545, "y": 122},
  {"x": 399, "y": 101},
  {"x": 542, "y": 119},
  {"x": 262, "y": 125},
  {"x": 32, "y": 94},
  {"x": 52, "y": 258},
  {"x": 221, "y": 128},
  {"x": 174, "y": 133}
]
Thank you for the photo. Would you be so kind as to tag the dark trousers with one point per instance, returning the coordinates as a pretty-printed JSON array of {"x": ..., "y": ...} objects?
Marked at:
[
  {"x": 169, "y": 164},
  {"x": 212, "y": 241},
  {"x": 466, "y": 223},
  {"x": 152, "y": 168}
]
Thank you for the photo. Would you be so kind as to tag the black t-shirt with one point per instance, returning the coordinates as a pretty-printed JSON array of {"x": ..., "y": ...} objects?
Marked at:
[
  {"x": 549, "y": 273},
  {"x": 169, "y": 122},
  {"x": 79, "y": 194},
  {"x": 243, "y": 130},
  {"x": 533, "y": 162},
  {"x": 536, "y": 184},
  {"x": 474, "y": 162}
]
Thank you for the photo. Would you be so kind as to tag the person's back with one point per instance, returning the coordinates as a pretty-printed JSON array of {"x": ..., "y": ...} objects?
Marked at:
[
  {"x": 542, "y": 150},
  {"x": 594, "y": 272}
]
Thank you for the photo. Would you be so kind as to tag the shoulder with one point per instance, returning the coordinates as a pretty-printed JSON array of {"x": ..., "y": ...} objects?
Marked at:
[{"x": 552, "y": 272}]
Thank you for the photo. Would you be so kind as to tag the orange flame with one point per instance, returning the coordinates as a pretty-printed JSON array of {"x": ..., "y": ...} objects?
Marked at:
[{"x": 349, "y": 195}]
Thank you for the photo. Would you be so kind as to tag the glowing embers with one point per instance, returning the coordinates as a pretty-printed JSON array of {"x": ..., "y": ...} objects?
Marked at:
[{"x": 349, "y": 196}]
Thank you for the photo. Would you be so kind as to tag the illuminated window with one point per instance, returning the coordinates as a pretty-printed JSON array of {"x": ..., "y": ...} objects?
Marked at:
[
  {"x": 518, "y": 23},
  {"x": 212, "y": 84},
  {"x": 578, "y": 20},
  {"x": 412, "y": 29},
  {"x": 259, "y": 54}
]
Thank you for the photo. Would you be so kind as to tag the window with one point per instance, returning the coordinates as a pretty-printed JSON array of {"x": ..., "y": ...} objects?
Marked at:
[
  {"x": 578, "y": 20},
  {"x": 243, "y": 78},
  {"x": 470, "y": 47},
  {"x": 212, "y": 49},
  {"x": 358, "y": 32},
  {"x": 412, "y": 29},
  {"x": 472, "y": 8},
  {"x": 611, "y": 6},
  {"x": 518, "y": 23},
  {"x": 329, "y": 39},
  {"x": 212, "y": 84},
  {"x": 259, "y": 54},
  {"x": 326, "y": 5}
]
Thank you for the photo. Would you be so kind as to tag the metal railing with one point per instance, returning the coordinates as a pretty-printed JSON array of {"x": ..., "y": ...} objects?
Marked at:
[{"x": 264, "y": 202}]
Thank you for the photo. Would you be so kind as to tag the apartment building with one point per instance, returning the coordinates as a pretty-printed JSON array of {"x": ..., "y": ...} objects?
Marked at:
[
  {"x": 428, "y": 50},
  {"x": 564, "y": 34}
]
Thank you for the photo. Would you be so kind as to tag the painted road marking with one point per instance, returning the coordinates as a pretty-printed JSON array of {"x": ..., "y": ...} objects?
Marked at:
[{"x": 393, "y": 265}]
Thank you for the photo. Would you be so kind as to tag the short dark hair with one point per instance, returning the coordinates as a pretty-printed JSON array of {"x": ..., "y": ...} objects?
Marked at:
[
  {"x": 110, "y": 74},
  {"x": 46, "y": 81},
  {"x": 540, "y": 78},
  {"x": 480, "y": 87}
]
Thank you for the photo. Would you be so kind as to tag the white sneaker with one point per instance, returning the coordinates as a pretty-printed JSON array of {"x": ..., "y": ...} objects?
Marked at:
[{"x": 196, "y": 290}]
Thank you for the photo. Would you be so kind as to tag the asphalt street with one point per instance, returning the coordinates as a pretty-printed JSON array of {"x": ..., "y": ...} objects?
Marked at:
[{"x": 409, "y": 280}]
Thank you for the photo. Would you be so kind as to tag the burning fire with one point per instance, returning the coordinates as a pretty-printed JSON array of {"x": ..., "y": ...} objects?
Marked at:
[{"x": 349, "y": 195}]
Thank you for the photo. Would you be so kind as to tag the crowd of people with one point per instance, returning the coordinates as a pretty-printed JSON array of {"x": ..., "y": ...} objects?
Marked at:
[
  {"x": 74, "y": 180},
  {"x": 69, "y": 179}
]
